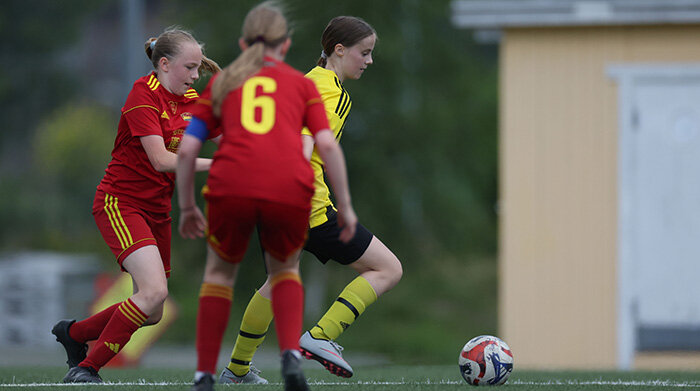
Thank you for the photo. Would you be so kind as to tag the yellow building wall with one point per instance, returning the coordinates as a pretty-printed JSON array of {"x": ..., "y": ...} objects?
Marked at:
[{"x": 558, "y": 186}]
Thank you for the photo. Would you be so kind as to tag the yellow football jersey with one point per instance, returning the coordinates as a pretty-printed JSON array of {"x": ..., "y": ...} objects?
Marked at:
[{"x": 337, "y": 102}]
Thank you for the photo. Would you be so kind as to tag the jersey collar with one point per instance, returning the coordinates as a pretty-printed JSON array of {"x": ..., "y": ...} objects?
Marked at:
[
  {"x": 326, "y": 72},
  {"x": 169, "y": 95}
]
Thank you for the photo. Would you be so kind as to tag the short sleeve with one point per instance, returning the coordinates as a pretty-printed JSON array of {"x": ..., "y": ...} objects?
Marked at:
[
  {"x": 141, "y": 112},
  {"x": 331, "y": 103},
  {"x": 203, "y": 110}
]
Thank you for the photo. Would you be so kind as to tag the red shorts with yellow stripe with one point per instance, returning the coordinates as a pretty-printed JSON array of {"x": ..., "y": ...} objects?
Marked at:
[
  {"x": 127, "y": 228},
  {"x": 282, "y": 228}
]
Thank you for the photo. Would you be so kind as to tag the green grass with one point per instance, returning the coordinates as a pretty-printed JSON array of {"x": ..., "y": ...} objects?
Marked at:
[{"x": 383, "y": 378}]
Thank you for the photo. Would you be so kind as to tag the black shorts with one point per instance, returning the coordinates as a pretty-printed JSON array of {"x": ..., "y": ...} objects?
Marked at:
[{"x": 323, "y": 241}]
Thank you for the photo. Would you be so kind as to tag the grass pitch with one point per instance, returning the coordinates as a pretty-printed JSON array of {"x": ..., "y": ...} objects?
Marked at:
[{"x": 380, "y": 378}]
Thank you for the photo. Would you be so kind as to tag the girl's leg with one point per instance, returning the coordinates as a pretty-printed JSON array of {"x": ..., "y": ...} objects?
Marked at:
[
  {"x": 288, "y": 308},
  {"x": 379, "y": 266},
  {"x": 254, "y": 325},
  {"x": 380, "y": 270},
  {"x": 146, "y": 269},
  {"x": 215, "y": 297},
  {"x": 73, "y": 335},
  {"x": 287, "y": 294},
  {"x": 153, "y": 318}
]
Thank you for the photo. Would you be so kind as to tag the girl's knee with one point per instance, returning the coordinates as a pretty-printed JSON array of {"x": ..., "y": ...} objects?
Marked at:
[
  {"x": 155, "y": 296},
  {"x": 161, "y": 294},
  {"x": 395, "y": 272},
  {"x": 398, "y": 270},
  {"x": 391, "y": 271}
]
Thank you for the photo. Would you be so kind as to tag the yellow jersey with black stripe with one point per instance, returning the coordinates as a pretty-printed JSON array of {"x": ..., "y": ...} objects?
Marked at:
[{"x": 337, "y": 103}]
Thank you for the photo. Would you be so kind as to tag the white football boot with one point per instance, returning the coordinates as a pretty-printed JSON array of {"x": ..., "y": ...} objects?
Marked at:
[
  {"x": 328, "y": 353},
  {"x": 252, "y": 377}
]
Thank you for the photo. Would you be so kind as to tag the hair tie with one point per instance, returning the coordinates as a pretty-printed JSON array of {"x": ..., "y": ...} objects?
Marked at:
[
  {"x": 259, "y": 38},
  {"x": 153, "y": 44},
  {"x": 323, "y": 54}
]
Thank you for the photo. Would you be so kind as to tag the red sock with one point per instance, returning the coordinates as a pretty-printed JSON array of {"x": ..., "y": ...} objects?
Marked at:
[
  {"x": 89, "y": 329},
  {"x": 123, "y": 323},
  {"x": 288, "y": 307},
  {"x": 212, "y": 318}
]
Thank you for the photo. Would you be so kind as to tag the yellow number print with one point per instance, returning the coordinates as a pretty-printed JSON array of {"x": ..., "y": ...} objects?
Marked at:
[{"x": 250, "y": 103}]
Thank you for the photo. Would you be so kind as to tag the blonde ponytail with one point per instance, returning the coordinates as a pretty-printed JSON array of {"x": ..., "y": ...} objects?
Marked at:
[
  {"x": 209, "y": 65},
  {"x": 248, "y": 63},
  {"x": 264, "y": 26}
]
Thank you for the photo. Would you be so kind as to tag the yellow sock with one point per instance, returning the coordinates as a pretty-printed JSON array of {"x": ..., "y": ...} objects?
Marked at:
[
  {"x": 254, "y": 325},
  {"x": 351, "y": 303}
]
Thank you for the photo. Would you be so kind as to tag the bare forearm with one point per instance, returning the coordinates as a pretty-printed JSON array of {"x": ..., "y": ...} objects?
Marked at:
[
  {"x": 185, "y": 183},
  {"x": 202, "y": 164},
  {"x": 187, "y": 163},
  {"x": 167, "y": 162},
  {"x": 307, "y": 143}
]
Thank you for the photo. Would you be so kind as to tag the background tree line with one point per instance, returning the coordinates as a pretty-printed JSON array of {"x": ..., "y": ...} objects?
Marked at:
[{"x": 421, "y": 145}]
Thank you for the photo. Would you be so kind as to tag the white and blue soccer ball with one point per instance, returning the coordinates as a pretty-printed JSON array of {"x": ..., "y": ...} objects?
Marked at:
[{"x": 486, "y": 361}]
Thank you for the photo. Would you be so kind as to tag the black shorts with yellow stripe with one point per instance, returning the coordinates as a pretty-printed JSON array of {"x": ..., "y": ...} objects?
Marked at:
[{"x": 323, "y": 241}]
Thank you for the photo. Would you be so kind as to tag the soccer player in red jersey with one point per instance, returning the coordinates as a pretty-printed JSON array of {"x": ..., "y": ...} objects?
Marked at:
[
  {"x": 259, "y": 177},
  {"x": 348, "y": 43},
  {"x": 132, "y": 202}
]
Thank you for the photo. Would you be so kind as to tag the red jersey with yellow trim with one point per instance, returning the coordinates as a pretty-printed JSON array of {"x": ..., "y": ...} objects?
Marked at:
[
  {"x": 150, "y": 109},
  {"x": 260, "y": 154}
]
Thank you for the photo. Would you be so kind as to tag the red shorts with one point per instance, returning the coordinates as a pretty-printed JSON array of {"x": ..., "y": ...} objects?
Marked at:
[
  {"x": 127, "y": 228},
  {"x": 282, "y": 228}
]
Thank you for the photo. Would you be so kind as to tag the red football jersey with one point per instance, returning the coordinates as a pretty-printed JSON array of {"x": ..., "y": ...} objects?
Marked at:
[
  {"x": 260, "y": 154},
  {"x": 150, "y": 109}
]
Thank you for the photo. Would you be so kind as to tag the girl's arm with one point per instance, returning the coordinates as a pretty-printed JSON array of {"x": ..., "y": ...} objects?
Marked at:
[
  {"x": 307, "y": 144},
  {"x": 334, "y": 163},
  {"x": 163, "y": 160},
  {"x": 192, "y": 222}
]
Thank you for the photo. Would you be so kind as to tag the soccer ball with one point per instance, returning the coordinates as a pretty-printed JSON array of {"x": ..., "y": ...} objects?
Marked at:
[{"x": 485, "y": 361}]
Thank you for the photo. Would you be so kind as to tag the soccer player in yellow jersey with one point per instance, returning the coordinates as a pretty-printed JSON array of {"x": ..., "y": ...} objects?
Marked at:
[{"x": 347, "y": 43}]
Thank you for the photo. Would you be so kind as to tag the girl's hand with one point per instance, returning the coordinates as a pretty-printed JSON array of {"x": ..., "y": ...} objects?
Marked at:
[
  {"x": 347, "y": 220},
  {"x": 192, "y": 223}
]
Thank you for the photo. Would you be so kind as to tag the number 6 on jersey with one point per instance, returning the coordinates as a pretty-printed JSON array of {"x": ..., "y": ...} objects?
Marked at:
[{"x": 250, "y": 103}]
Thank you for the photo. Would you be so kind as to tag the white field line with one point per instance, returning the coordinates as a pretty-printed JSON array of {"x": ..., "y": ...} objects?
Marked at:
[{"x": 620, "y": 383}]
